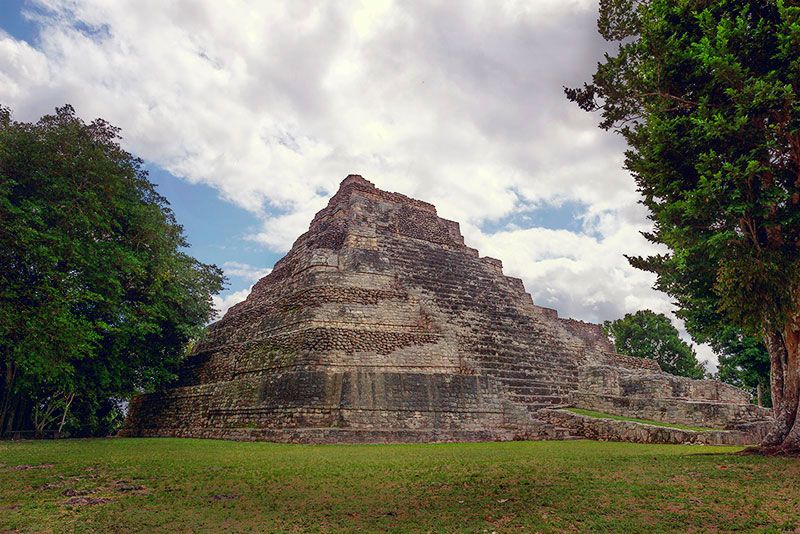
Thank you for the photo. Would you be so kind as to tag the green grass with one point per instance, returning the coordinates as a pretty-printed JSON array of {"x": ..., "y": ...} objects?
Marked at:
[
  {"x": 204, "y": 485},
  {"x": 601, "y": 415}
]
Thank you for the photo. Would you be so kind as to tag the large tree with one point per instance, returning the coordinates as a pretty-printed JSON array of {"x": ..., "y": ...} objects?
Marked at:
[
  {"x": 706, "y": 95},
  {"x": 646, "y": 334},
  {"x": 97, "y": 296},
  {"x": 743, "y": 362}
]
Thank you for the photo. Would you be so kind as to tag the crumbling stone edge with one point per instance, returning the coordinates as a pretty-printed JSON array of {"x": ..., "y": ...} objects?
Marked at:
[{"x": 630, "y": 431}]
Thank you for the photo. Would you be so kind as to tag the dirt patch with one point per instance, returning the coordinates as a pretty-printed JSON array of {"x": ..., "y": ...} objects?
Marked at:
[
  {"x": 86, "y": 501},
  {"x": 501, "y": 521},
  {"x": 125, "y": 486},
  {"x": 25, "y": 467},
  {"x": 224, "y": 497},
  {"x": 70, "y": 492}
]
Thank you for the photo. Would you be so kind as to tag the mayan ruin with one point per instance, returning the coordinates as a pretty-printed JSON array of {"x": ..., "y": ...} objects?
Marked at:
[{"x": 381, "y": 325}]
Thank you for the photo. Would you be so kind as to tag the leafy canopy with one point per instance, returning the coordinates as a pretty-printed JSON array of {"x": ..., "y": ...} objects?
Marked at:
[
  {"x": 743, "y": 362},
  {"x": 646, "y": 334},
  {"x": 706, "y": 95},
  {"x": 97, "y": 296}
]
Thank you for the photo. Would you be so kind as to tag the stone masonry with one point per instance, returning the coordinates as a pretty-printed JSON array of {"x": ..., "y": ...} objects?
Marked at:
[{"x": 381, "y": 325}]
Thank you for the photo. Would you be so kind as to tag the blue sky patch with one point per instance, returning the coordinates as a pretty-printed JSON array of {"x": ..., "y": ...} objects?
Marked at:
[
  {"x": 15, "y": 24},
  {"x": 565, "y": 216},
  {"x": 216, "y": 229}
]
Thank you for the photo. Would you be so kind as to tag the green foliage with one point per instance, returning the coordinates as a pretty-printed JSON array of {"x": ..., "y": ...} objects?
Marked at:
[
  {"x": 646, "y": 334},
  {"x": 706, "y": 95},
  {"x": 743, "y": 362},
  {"x": 97, "y": 297}
]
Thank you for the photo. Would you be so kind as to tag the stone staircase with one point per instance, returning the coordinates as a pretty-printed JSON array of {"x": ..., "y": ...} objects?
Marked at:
[{"x": 483, "y": 300}]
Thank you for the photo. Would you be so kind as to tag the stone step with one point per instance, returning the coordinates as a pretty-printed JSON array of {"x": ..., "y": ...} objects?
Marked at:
[
  {"x": 539, "y": 392},
  {"x": 536, "y": 401},
  {"x": 529, "y": 371},
  {"x": 513, "y": 354},
  {"x": 523, "y": 384},
  {"x": 633, "y": 431}
]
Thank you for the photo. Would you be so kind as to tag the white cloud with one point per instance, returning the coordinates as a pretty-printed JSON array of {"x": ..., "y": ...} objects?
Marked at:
[
  {"x": 245, "y": 271},
  {"x": 273, "y": 103},
  {"x": 707, "y": 357},
  {"x": 581, "y": 276},
  {"x": 222, "y": 304}
]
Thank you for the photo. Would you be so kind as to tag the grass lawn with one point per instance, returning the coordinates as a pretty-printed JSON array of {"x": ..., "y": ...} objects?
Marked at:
[
  {"x": 144, "y": 485},
  {"x": 601, "y": 415}
]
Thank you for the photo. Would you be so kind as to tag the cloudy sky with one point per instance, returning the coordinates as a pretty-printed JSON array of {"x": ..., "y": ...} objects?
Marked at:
[{"x": 249, "y": 114}]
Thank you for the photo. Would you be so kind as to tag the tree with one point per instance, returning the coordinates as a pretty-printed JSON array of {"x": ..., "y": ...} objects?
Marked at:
[
  {"x": 706, "y": 96},
  {"x": 97, "y": 297},
  {"x": 743, "y": 362},
  {"x": 646, "y": 334}
]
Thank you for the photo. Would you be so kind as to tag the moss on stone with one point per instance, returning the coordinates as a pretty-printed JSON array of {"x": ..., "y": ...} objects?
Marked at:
[{"x": 601, "y": 415}]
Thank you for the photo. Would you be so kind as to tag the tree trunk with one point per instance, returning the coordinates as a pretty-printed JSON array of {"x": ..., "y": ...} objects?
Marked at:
[
  {"x": 18, "y": 410},
  {"x": 6, "y": 392},
  {"x": 759, "y": 395},
  {"x": 783, "y": 347},
  {"x": 68, "y": 398}
]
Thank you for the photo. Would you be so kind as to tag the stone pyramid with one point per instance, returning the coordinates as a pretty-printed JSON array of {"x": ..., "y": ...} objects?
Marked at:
[{"x": 381, "y": 325}]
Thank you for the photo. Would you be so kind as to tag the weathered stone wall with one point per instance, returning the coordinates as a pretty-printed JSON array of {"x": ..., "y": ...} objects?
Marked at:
[
  {"x": 380, "y": 320},
  {"x": 631, "y": 382},
  {"x": 664, "y": 397},
  {"x": 612, "y": 430},
  {"x": 591, "y": 333},
  {"x": 672, "y": 410},
  {"x": 440, "y": 404}
]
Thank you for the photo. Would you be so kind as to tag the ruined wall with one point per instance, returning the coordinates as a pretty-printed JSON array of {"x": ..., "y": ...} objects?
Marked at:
[
  {"x": 664, "y": 397},
  {"x": 612, "y": 430},
  {"x": 673, "y": 410},
  {"x": 632, "y": 382}
]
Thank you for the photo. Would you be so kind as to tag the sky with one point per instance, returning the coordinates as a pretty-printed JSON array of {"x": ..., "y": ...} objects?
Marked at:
[{"x": 249, "y": 115}]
